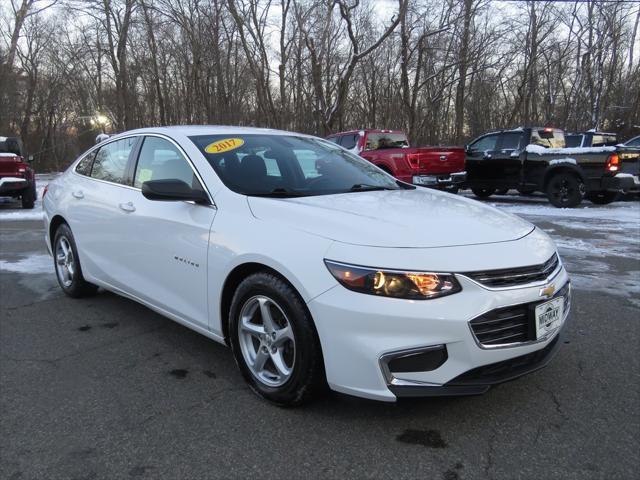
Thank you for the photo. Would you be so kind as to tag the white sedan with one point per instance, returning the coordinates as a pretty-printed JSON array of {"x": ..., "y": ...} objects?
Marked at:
[{"x": 315, "y": 266}]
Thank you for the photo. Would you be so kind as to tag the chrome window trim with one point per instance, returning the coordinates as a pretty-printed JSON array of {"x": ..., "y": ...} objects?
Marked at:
[
  {"x": 131, "y": 187},
  {"x": 547, "y": 337}
]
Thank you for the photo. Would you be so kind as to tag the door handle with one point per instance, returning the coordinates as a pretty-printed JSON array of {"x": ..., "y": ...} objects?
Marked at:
[
  {"x": 78, "y": 194},
  {"x": 128, "y": 207}
]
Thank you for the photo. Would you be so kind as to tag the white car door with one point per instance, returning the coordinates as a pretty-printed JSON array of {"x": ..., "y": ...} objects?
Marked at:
[
  {"x": 167, "y": 241},
  {"x": 94, "y": 211}
]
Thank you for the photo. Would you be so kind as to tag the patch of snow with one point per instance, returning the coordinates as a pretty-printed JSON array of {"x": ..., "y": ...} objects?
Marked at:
[
  {"x": 5, "y": 154},
  {"x": 567, "y": 151},
  {"x": 21, "y": 214},
  {"x": 34, "y": 264},
  {"x": 562, "y": 160},
  {"x": 625, "y": 175}
]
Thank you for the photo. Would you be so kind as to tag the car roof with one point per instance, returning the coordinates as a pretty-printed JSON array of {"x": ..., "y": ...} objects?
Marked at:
[{"x": 196, "y": 130}]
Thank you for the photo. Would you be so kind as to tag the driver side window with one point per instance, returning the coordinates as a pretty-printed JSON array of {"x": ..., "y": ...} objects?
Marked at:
[
  {"x": 161, "y": 160},
  {"x": 487, "y": 142}
]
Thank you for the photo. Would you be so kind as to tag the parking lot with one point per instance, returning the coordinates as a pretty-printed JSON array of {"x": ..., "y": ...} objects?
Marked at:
[{"x": 105, "y": 388}]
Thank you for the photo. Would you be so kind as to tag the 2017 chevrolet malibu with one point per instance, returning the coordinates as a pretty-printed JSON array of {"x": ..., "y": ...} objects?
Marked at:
[{"x": 315, "y": 266}]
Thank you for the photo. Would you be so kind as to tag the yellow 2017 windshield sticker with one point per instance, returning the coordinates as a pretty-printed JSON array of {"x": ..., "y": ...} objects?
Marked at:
[{"x": 224, "y": 145}]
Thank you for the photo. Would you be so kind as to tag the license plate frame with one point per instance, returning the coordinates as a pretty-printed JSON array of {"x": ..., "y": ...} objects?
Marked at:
[{"x": 548, "y": 317}]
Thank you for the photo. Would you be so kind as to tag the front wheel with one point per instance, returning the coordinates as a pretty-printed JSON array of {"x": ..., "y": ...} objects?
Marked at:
[
  {"x": 565, "y": 190},
  {"x": 274, "y": 341},
  {"x": 603, "y": 197},
  {"x": 483, "y": 192},
  {"x": 67, "y": 264}
]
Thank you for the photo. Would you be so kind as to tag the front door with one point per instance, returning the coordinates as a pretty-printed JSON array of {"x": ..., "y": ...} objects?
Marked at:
[{"x": 167, "y": 241}]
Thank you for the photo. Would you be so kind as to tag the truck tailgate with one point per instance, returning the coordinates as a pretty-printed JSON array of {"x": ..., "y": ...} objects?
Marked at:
[
  {"x": 9, "y": 164},
  {"x": 440, "y": 159}
]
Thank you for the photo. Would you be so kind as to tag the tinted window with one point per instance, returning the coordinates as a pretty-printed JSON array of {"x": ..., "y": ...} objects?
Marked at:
[
  {"x": 111, "y": 160},
  {"x": 572, "y": 141},
  {"x": 485, "y": 143},
  {"x": 283, "y": 165},
  {"x": 510, "y": 140},
  {"x": 377, "y": 141},
  {"x": 349, "y": 141},
  {"x": 84, "y": 165},
  {"x": 160, "y": 159},
  {"x": 634, "y": 142}
]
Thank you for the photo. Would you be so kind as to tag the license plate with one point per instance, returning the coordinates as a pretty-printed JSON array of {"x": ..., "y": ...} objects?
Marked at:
[
  {"x": 549, "y": 316},
  {"x": 425, "y": 180}
]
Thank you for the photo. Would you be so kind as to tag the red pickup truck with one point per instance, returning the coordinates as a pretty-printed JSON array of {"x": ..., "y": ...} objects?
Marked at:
[
  {"x": 439, "y": 167},
  {"x": 17, "y": 178}
]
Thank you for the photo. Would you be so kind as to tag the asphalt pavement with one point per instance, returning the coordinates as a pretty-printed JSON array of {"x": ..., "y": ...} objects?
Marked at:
[{"x": 104, "y": 388}]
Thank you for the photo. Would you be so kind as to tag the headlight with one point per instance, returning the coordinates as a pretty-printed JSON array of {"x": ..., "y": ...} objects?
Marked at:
[{"x": 393, "y": 283}]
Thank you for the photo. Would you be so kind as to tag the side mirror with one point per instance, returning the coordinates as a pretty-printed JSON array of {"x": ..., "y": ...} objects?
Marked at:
[
  {"x": 30, "y": 159},
  {"x": 173, "y": 190}
]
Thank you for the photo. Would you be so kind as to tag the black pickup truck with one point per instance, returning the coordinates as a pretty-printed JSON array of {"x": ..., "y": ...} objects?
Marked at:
[{"x": 535, "y": 159}]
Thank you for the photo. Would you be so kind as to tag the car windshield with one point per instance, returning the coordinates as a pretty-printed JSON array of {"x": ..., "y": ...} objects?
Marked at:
[{"x": 288, "y": 165}]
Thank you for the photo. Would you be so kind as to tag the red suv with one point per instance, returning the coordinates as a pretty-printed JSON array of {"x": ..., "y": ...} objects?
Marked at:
[
  {"x": 439, "y": 167},
  {"x": 17, "y": 178}
]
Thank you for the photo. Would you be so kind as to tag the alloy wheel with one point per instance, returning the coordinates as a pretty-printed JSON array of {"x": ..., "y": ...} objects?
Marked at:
[
  {"x": 65, "y": 261},
  {"x": 267, "y": 341}
]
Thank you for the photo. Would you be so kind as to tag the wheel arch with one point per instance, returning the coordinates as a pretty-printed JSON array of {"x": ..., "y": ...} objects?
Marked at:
[
  {"x": 55, "y": 222},
  {"x": 233, "y": 280},
  {"x": 562, "y": 168}
]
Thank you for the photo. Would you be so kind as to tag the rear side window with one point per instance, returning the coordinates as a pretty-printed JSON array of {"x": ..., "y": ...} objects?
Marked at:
[
  {"x": 485, "y": 143},
  {"x": 84, "y": 165},
  {"x": 110, "y": 163},
  {"x": 378, "y": 141},
  {"x": 573, "y": 141},
  {"x": 548, "y": 137},
  {"x": 510, "y": 140},
  {"x": 160, "y": 159},
  {"x": 604, "y": 141},
  {"x": 349, "y": 141}
]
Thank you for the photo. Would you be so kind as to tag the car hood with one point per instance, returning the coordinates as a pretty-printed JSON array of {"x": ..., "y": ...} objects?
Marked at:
[{"x": 419, "y": 218}]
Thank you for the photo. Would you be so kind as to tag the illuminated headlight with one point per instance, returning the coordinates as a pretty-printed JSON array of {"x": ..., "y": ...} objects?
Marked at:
[{"x": 393, "y": 283}]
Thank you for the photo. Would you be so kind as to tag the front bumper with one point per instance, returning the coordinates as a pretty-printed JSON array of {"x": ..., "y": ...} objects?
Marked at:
[
  {"x": 440, "y": 180},
  {"x": 359, "y": 332}
]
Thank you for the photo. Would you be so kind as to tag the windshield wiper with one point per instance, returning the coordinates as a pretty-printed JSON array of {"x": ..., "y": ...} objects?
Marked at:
[
  {"x": 364, "y": 187},
  {"x": 277, "y": 193}
]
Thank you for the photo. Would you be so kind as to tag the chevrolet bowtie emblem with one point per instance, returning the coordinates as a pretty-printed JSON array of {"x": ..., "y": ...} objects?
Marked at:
[{"x": 547, "y": 291}]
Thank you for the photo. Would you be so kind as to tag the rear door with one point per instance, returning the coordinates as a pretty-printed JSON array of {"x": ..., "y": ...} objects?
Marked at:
[
  {"x": 506, "y": 158},
  {"x": 94, "y": 215},
  {"x": 167, "y": 241}
]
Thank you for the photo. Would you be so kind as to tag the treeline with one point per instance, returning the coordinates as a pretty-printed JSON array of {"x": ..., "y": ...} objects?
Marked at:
[{"x": 443, "y": 70}]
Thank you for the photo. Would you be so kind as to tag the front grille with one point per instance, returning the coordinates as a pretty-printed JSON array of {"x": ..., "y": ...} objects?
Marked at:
[
  {"x": 515, "y": 324},
  {"x": 510, "y": 277}
]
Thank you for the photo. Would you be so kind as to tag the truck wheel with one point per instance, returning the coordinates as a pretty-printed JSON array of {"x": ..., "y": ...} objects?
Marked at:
[
  {"x": 67, "y": 265},
  {"x": 29, "y": 197},
  {"x": 274, "y": 342},
  {"x": 603, "y": 197},
  {"x": 526, "y": 191},
  {"x": 565, "y": 190},
  {"x": 483, "y": 192}
]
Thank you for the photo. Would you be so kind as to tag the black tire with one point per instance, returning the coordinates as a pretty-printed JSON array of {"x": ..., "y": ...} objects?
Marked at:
[
  {"x": 307, "y": 377},
  {"x": 502, "y": 191},
  {"x": 453, "y": 190},
  {"x": 28, "y": 198},
  {"x": 603, "y": 197},
  {"x": 526, "y": 191},
  {"x": 565, "y": 190},
  {"x": 75, "y": 285},
  {"x": 483, "y": 192}
]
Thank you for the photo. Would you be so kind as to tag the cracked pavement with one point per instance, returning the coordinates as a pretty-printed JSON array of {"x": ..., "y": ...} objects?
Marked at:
[{"x": 105, "y": 388}]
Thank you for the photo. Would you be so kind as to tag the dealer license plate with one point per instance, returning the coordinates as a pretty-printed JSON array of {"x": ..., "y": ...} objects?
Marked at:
[{"x": 549, "y": 316}]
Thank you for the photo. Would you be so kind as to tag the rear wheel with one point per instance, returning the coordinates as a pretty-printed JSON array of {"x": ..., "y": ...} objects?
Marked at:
[
  {"x": 565, "y": 190},
  {"x": 67, "y": 264},
  {"x": 483, "y": 192},
  {"x": 603, "y": 197},
  {"x": 28, "y": 198},
  {"x": 274, "y": 341}
]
